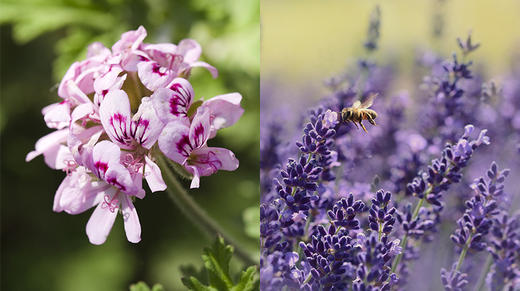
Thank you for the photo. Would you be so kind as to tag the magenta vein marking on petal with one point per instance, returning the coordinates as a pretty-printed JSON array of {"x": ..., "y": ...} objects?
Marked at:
[
  {"x": 121, "y": 136},
  {"x": 156, "y": 69},
  {"x": 101, "y": 168},
  {"x": 184, "y": 94},
  {"x": 178, "y": 106},
  {"x": 211, "y": 160},
  {"x": 182, "y": 146},
  {"x": 143, "y": 123},
  {"x": 199, "y": 131},
  {"x": 113, "y": 181}
]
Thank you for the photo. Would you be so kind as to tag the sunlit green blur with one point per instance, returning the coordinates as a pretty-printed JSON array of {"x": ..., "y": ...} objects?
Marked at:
[
  {"x": 43, "y": 250},
  {"x": 304, "y": 40}
]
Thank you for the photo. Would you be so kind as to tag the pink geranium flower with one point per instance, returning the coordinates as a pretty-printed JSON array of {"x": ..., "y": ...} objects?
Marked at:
[
  {"x": 79, "y": 192},
  {"x": 165, "y": 62},
  {"x": 104, "y": 182},
  {"x": 174, "y": 102},
  {"x": 81, "y": 75},
  {"x": 136, "y": 134},
  {"x": 187, "y": 146},
  {"x": 105, "y": 138}
]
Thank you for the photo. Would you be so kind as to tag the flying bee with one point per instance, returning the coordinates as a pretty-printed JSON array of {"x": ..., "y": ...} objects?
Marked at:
[{"x": 359, "y": 112}]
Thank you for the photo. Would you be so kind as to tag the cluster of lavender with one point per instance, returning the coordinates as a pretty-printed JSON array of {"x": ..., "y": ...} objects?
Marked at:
[
  {"x": 485, "y": 225},
  {"x": 325, "y": 227}
]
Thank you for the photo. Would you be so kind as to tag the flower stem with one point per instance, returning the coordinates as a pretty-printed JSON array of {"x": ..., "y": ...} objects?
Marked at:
[
  {"x": 463, "y": 253},
  {"x": 405, "y": 238},
  {"x": 483, "y": 274},
  {"x": 196, "y": 214},
  {"x": 308, "y": 279}
]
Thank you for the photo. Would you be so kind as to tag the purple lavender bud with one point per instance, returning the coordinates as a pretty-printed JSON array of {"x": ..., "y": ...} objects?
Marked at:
[{"x": 453, "y": 280}]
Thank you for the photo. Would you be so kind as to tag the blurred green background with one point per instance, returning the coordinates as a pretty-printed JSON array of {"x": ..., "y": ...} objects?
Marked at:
[
  {"x": 307, "y": 41},
  {"x": 43, "y": 250}
]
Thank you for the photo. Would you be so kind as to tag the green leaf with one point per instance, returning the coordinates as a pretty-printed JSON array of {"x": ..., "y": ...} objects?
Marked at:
[
  {"x": 139, "y": 286},
  {"x": 191, "y": 271},
  {"x": 32, "y": 19},
  {"x": 194, "y": 284},
  {"x": 248, "y": 280},
  {"x": 216, "y": 262},
  {"x": 142, "y": 286}
]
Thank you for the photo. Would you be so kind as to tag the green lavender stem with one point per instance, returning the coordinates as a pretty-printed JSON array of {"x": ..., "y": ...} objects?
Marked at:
[
  {"x": 196, "y": 214},
  {"x": 463, "y": 253},
  {"x": 405, "y": 238},
  {"x": 483, "y": 274}
]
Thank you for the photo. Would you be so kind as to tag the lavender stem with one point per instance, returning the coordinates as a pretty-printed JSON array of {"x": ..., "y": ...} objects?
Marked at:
[
  {"x": 405, "y": 238},
  {"x": 463, "y": 253},
  {"x": 483, "y": 274}
]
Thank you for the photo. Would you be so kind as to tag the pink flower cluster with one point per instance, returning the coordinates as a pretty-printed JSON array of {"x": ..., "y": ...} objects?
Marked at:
[{"x": 119, "y": 107}]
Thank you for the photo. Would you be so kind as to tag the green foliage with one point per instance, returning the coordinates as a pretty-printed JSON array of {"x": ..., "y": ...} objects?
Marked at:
[
  {"x": 227, "y": 29},
  {"x": 216, "y": 270},
  {"x": 142, "y": 286}
]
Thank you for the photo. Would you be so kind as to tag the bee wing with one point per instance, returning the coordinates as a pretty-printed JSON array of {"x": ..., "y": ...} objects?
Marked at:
[
  {"x": 369, "y": 101},
  {"x": 356, "y": 104}
]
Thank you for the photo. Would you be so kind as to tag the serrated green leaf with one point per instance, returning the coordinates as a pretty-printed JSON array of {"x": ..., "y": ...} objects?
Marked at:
[
  {"x": 248, "y": 280},
  {"x": 139, "y": 286},
  {"x": 142, "y": 286},
  {"x": 216, "y": 260},
  {"x": 194, "y": 284},
  {"x": 192, "y": 271}
]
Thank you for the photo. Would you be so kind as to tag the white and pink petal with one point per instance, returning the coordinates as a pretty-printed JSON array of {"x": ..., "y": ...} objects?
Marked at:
[
  {"x": 119, "y": 176},
  {"x": 131, "y": 219},
  {"x": 109, "y": 79},
  {"x": 78, "y": 193},
  {"x": 130, "y": 40},
  {"x": 189, "y": 49},
  {"x": 82, "y": 111},
  {"x": 172, "y": 103},
  {"x": 154, "y": 76},
  {"x": 106, "y": 155},
  {"x": 200, "y": 128},
  {"x": 57, "y": 115},
  {"x": 49, "y": 145},
  {"x": 206, "y": 161},
  {"x": 146, "y": 126},
  {"x": 195, "y": 181},
  {"x": 211, "y": 159},
  {"x": 213, "y": 71},
  {"x": 115, "y": 116},
  {"x": 153, "y": 176},
  {"x": 103, "y": 217},
  {"x": 174, "y": 142},
  {"x": 225, "y": 110},
  {"x": 81, "y": 142},
  {"x": 97, "y": 49}
]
